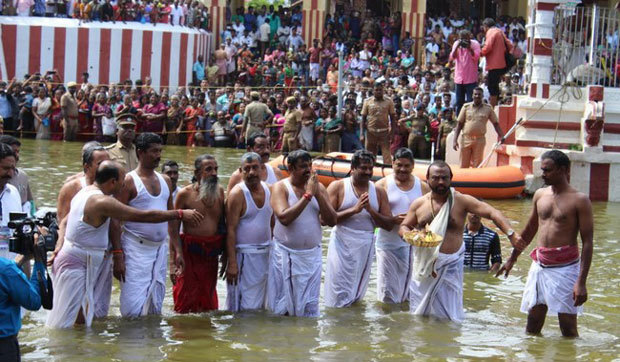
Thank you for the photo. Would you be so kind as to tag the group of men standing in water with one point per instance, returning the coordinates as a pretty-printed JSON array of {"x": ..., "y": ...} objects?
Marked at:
[{"x": 266, "y": 231}]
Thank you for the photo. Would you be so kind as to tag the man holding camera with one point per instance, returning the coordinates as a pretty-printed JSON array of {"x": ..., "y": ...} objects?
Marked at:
[
  {"x": 16, "y": 291},
  {"x": 10, "y": 201},
  {"x": 465, "y": 55}
]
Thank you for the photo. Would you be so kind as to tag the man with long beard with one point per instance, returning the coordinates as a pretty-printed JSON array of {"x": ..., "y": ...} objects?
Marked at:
[
  {"x": 141, "y": 268},
  {"x": 394, "y": 255},
  {"x": 437, "y": 276},
  {"x": 296, "y": 259},
  {"x": 359, "y": 206},
  {"x": 194, "y": 282},
  {"x": 258, "y": 143},
  {"x": 248, "y": 240}
]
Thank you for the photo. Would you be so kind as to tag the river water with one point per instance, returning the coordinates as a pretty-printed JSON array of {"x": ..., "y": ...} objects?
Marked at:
[{"x": 493, "y": 328}]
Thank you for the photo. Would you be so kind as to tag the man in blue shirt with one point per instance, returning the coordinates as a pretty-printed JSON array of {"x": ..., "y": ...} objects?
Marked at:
[
  {"x": 250, "y": 19},
  {"x": 198, "y": 71},
  {"x": 16, "y": 291},
  {"x": 481, "y": 244}
]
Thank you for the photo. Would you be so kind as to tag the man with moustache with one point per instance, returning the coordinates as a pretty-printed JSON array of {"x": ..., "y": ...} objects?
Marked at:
[
  {"x": 258, "y": 143},
  {"x": 557, "y": 278},
  {"x": 394, "y": 255},
  {"x": 142, "y": 267},
  {"x": 170, "y": 168},
  {"x": 10, "y": 200},
  {"x": 437, "y": 277},
  {"x": 194, "y": 281},
  {"x": 378, "y": 122},
  {"x": 296, "y": 259},
  {"x": 248, "y": 238},
  {"x": 86, "y": 243},
  {"x": 360, "y": 207}
]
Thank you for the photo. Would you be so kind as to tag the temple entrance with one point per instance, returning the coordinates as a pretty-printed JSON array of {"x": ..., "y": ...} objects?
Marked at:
[{"x": 477, "y": 9}]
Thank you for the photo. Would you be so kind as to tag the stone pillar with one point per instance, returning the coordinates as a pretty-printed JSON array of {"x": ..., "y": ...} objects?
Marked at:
[
  {"x": 217, "y": 19},
  {"x": 313, "y": 21},
  {"x": 541, "y": 57},
  {"x": 413, "y": 21}
]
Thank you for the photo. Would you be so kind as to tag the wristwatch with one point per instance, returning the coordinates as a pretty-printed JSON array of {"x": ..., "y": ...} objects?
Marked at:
[{"x": 510, "y": 233}]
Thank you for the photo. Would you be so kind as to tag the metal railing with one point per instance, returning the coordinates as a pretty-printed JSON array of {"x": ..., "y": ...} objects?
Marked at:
[{"x": 586, "y": 46}]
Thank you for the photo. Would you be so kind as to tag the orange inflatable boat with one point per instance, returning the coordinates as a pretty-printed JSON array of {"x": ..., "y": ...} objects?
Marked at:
[{"x": 503, "y": 182}]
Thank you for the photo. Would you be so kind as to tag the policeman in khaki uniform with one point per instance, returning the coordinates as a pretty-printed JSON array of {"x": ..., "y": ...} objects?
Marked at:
[
  {"x": 378, "y": 114},
  {"x": 472, "y": 122},
  {"x": 292, "y": 126},
  {"x": 124, "y": 151}
]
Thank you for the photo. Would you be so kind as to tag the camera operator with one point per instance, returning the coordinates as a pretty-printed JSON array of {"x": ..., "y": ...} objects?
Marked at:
[
  {"x": 10, "y": 201},
  {"x": 17, "y": 291},
  {"x": 20, "y": 178},
  {"x": 465, "y": 54}
]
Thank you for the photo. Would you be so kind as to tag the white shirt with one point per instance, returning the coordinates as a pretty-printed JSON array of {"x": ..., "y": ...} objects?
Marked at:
[
  {"x": 264, "y": 30},
  {"x": 176, "y": 14},
  {"x": 294, "y": 41},
  {"x": 239, "y": 28},
  {"x": 11, "y": 202}
]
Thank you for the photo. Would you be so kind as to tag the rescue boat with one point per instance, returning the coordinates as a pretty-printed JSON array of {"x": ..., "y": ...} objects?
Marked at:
[{"x": 501, "y": 182}]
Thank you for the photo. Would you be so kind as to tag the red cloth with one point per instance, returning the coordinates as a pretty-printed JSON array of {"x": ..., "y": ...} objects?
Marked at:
[
  {"x": 194, "y": 290},
  {"x": 555, "y": 256}
]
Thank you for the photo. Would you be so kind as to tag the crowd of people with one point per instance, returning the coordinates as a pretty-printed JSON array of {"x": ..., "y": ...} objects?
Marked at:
[
  {"x": 263, "y": 59},
  {"x": 188, "y": 13}
]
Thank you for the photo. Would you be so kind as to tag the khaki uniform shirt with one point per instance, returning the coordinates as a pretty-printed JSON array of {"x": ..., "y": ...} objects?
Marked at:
[
  {"x": 127, "y": 157},
  {"x": 256, "y": 113},
  {"x": 474, "y": 119},
  {"x": 70, "y": 103},
  {"x": 377, "y": 113},
  {"x": 292, "y": 121}
]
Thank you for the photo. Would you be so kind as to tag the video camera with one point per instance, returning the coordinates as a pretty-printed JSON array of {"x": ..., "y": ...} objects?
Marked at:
[{"x": 22, "y": 241}]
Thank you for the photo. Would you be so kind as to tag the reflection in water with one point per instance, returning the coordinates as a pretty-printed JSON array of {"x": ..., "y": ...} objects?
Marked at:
[{"x": 493, "y": 328}]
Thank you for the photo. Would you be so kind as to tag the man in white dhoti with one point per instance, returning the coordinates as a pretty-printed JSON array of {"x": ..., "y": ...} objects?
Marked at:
[
  {"x": 359, "y": 206},
  {"x": 93, "y": 154},
  {"x": 248, "y": 240},
  {"x": 295, "y": 263},
  {"x": 557, "y": 278},
  {"x": 437, "y": 275},
  {"x": 86, "y": 243},
  {"x": 394, "y": 255},
  {"x": 142, "y": 269}
]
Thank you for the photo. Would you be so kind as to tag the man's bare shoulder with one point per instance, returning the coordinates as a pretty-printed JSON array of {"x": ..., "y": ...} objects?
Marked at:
[
  {"x": 382, "y": 184},
  {"x": 71, "y": 187},
  {"x": 187, "y": 190}
]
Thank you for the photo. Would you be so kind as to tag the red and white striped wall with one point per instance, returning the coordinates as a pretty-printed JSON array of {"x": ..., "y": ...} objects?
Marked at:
[
  {"x": 217, "y": 12},
  {"x": 109, "y": 52},
  {"x": 541, "y": 57},
  {"x": 313, "y": 20},
  {"x": 413, "y": 13}
]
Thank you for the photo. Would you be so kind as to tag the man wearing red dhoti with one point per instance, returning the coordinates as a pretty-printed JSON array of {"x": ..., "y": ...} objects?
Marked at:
[{"x": 194, "y": 281}]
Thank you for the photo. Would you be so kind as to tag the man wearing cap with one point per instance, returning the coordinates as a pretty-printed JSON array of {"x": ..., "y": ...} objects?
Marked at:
[
  {"x": 69, "y": 110},
  {"x": 292, "y": 126},
  {"x": 256, "y": 115},
  {"x": 124, "y": 151},
  {"x": 378, "y": 114}
]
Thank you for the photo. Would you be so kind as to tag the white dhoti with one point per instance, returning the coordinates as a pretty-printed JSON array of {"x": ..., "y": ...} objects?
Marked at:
[
  {"x": 250, "y": 292},
  {"x": 349, "y": 260},
  {"x": 441, "y": 296},
  {"x": 306, "y": 137},
  {"x": 144, "y": 288},
  {"x": 553, "y": 287},
  {"x": 75, "y": 276},
  {"x": 394, "y": 262},
  {"x": 103, "y": 287},
  {"x": 294, "y": 281},
  {"x": 314, "y": 71}
]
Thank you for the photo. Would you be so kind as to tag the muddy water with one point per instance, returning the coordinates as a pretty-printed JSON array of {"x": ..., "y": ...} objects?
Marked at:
[{"x": 493, "y": 327}]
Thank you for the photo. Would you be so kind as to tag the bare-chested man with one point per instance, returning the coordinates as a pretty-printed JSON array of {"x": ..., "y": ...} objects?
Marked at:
[
  {"x": 248, "y": 240},
  {"x": 360, "y": 207},
  {"x": 144, "y": 247},
  {"x": 394, "y": 255},
  {"x": 194, "y": 285},
  {"x": 221, "y": 60},
  {"x": 296, "y": 259},
  {"x": 87, "y": 241},
  {"x": 557, "y": 278},
  {"x": 437, "y": 283},
  {"x": 258, "y": 143}
]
